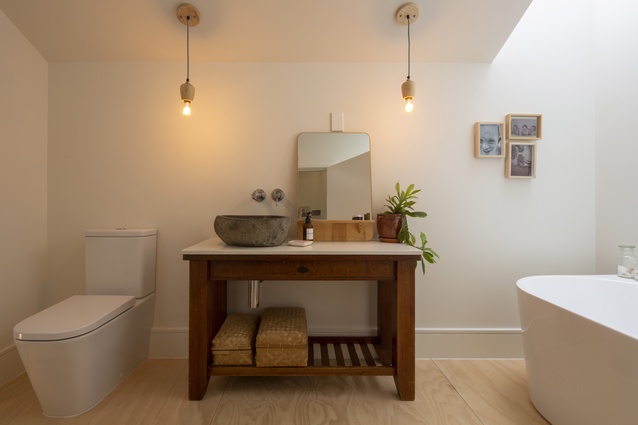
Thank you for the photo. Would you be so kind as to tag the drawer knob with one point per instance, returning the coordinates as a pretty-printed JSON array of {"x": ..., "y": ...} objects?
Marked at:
[{"x": 302, "y": 269}]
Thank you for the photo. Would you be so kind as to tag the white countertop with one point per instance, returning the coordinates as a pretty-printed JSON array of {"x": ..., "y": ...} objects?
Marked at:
[{"x": 215, "y": 246}]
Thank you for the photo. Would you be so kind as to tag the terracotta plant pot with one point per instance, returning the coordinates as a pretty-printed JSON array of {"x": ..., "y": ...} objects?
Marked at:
[{"x": 388, "y": 226}]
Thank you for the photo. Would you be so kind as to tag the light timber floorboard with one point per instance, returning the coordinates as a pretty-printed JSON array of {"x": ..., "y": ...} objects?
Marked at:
[
  {"x": 454, "y": 392},
  {"x": 496, "y": 390}
]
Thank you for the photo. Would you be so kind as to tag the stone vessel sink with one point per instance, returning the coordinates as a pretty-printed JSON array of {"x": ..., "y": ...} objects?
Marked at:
[{"x": 252, "y": 230}]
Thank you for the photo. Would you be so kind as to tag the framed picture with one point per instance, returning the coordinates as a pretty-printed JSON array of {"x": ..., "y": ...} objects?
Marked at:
[
  {"x": 303, "y": 211},
  {"x": 520, "y": 162},
  {"x": 524, "y": 126},
  {"x": 489, "y": 140}
]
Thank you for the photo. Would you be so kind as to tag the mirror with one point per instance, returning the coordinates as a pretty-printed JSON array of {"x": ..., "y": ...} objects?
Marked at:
[{"x": 335, "y": 181}]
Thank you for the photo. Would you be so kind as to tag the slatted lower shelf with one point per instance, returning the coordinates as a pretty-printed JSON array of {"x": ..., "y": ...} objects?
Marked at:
[{"x": 353, "y": 356}]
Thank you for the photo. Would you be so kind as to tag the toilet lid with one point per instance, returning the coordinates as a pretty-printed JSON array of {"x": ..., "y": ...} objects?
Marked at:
[{"x": 72, "y": 317}]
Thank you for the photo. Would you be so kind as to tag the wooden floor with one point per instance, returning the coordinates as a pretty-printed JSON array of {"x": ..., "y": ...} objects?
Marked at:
[{"x": 455, "y": 392}]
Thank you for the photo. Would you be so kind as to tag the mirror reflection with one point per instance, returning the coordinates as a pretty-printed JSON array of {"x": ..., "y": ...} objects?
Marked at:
[{"x": 334, "y": 177}]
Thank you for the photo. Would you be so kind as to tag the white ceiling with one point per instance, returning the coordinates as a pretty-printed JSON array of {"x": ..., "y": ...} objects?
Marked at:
[{"x": 265, "y": 31}]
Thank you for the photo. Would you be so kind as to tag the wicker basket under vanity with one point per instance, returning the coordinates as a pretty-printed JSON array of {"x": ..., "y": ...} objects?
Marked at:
[
  {"x": 282, "y": 339},
  {"x": 234, "y": 343}
]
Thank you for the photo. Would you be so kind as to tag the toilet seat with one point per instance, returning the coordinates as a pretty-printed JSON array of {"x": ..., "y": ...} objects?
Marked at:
[{"x": 75, "y": 316}]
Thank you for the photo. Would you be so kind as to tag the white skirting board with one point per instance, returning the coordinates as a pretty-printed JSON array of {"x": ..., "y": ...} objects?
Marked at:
[
  {"x": 430, "y": 342},
  {"x": 10, "y": 364},
  {"x": 168, "y": 343},
  {"x": 469, "y": 343}
]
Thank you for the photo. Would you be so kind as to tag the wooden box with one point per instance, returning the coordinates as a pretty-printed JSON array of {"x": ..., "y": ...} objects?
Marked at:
[
  {"x": 339, "y": 230},
  {"x": 282, "y": 339},
  {"x": 234, "y": 343}
]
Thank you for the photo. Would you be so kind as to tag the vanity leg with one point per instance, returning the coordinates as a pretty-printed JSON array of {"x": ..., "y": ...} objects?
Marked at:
[
  {"x": 405, "y": 329},
  {"x": 217, "y": 310},
  {"x": 199, "y": 330},
  {"x": 386, "y": 317}
]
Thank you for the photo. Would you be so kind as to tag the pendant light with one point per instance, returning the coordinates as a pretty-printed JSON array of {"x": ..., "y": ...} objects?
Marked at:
[
  {"x": 406, "y": 15},
  {"x": 189, "y": 16}
]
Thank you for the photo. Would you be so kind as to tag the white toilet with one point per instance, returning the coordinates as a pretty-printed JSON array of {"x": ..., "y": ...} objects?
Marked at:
[{"x": 77, "y": 351}]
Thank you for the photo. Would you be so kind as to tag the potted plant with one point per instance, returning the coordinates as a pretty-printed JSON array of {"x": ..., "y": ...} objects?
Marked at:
[{"x": 392, "y": 224}]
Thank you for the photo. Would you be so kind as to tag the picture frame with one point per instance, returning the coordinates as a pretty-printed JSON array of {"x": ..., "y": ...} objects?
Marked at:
[
  {"x": 520, "y": 161},
  {"x": 524, "y": 126},
  {"x": 302, "y": 211},
  {"x": 489, "y": 140}
]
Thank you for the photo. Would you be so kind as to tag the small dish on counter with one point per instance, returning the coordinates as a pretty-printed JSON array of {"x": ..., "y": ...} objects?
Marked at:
[{"x": 299, "y": 242}]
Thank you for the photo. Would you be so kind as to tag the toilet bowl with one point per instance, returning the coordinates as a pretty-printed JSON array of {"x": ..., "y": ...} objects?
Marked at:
[{"x": 77, "y": 351}]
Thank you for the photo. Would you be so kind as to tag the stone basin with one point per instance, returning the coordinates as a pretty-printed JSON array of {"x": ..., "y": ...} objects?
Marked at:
[{"x": 252, "y": 230}]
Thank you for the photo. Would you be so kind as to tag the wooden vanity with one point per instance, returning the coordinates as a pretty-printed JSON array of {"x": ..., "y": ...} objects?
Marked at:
[{"x": 389, "y": 353}]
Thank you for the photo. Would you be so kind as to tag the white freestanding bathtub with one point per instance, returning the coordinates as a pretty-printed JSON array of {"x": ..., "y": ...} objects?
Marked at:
[{"x": 580, "y": 336}]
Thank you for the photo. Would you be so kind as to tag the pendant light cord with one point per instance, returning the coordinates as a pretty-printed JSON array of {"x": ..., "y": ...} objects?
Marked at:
[
  {"x": 408, "y": 16},
  {"x": 188, "y": 49}
]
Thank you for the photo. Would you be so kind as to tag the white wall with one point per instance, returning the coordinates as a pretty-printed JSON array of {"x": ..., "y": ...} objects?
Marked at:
[
  {"x": 122, "y": 155},
  {"x": 616, "y": 32},
  {"x": 490, "y": 231},
  {"x": 23, "y": 188}
]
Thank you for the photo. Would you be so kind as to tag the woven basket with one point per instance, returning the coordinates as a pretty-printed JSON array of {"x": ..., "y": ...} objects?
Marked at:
[
  {"x": 234, "y": 343},
  {"x": 282, "y": 339}
]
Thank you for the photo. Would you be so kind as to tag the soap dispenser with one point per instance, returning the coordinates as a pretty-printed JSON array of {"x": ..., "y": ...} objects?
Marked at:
[{"x": 308, "y": 231}]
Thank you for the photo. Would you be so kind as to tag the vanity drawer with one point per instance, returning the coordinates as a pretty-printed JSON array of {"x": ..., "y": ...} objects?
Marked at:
[{"x": 302, "y": 269}]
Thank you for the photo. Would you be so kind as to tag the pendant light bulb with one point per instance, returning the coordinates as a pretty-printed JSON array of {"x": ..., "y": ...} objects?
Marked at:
[
  {"x": 187, "y": 108},
  {"x": 408, "y": 13},
  {"x": 408, "y": 106},
  {"x": 408, "y": 89},
  {"x": 188, "y": 15},
  {"x": 187, "y": 92}
]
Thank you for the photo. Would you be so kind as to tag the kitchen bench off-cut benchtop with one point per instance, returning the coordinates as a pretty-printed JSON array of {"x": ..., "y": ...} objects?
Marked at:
[{"x": 213, "y": 263}]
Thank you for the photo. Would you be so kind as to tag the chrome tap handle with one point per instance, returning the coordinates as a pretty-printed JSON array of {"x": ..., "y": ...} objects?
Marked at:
[
  {"x": 278, "y": 195},
  {"x": 259, "y": 195}
]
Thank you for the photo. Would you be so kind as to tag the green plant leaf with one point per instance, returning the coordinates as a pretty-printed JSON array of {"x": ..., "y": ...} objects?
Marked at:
[{"x": 403, "y": 202}]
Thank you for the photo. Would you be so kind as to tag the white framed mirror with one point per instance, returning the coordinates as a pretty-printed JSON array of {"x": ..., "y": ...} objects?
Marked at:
[{"x": 334, "y": 175}]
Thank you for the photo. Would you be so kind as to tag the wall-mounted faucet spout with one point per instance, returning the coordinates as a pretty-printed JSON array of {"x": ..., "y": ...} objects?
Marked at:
[
  {"x": 253, "y": 293},
  {"x": 278, "y": 195}
]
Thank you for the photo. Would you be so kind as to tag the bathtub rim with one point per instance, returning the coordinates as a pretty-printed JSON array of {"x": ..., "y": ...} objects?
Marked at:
[{"x": 523, "y": 285}]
